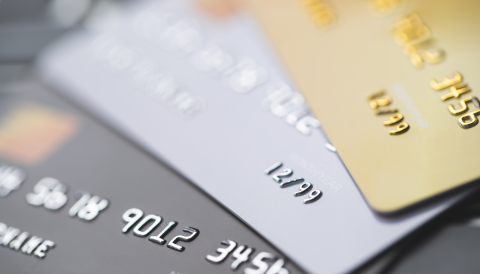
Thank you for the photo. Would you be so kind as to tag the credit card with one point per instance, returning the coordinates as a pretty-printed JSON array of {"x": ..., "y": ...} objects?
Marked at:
[
  {"x": 98, "y": 203},
  {"x": 211, "y": 99},
  {"x": 399, "y": 76}
]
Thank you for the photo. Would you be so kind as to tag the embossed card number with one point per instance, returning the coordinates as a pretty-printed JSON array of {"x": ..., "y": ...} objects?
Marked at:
[
  {"x": 242, "y": 254},
  {"x": 150, "y": 222},
  {"x": 457, "y": 89},
  {"x": 88, "y": 207},
  {"x": 304, "y": 188},
  {"x": 50, "y": 193},
  {"x": 415, "y": 37},
  {"x": 379, "y": 102},
  {"x": 11, "y": 178},
  {"x": 290, "y": 105}
]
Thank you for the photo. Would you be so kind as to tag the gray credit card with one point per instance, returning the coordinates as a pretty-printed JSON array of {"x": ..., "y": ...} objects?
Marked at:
[
  {"x": 78, "y": 190},
  {"x": 213, "y": 101}
]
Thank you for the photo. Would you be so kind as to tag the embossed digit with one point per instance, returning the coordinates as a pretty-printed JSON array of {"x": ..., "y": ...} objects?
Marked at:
[
  {"x": 277, "y": 268},
  {"x": 446, "y": 82},
  {"x": 376, "y": 94},
  {"x": 382, "y": 101},
  {"x": 92, "y": 208},
  {"x": 291, "y": 182},
  {"x": 456, "y": 91},
  {"x": 55, "y": 199},
  {"x": 304, "y": 188},
  {"x": 241, "y": 255},
  {"x": 131, "y": 217},
  {"x": 83, "y": 201},
  {"x": 401, "y": 128},
  {"x": 40, "y": 192},
  {"x": 305, "y": 123},
  {"x": 159, "y": 238},
  {"x": 156, "y": 221},
  {"x": 222, "y": 251},
  {"x": 10, "y": 179},
  {"x": 463, "y": 105},
  {"x": 259, "y": 263},
  {"x": 286, "y": 173},
  {"x": 286, "y": 104},
  {"x": 411, "y": 30},
  {"x": 432, "y": 56},
  {"x": 313, "y": 196},
  {"x": 469, "y": 120},
  {"x": 273, "y": 168},
  {"x": 48, "y": 192},
  {"x": 173, "y": 243},
  {"x": 395, "y": 118}
]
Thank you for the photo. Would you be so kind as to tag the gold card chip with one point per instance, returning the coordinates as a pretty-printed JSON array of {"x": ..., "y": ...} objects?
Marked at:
[{"x": 30, "y": 133}]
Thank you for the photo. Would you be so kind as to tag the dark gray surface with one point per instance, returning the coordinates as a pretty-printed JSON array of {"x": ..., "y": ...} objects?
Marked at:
[
  {"x": 454, "y": 249},
  {"x": 27, "y": 26},
  {"x": 98, "y": 161}
]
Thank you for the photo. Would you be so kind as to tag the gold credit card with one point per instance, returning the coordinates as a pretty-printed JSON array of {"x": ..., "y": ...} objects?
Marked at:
[{"x": 396, "y": 85}]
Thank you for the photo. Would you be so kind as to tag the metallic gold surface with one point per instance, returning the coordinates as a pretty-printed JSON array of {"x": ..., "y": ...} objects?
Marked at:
[
  {"x": 405, "y": 51},
  {"x": 397, "y": 117}
]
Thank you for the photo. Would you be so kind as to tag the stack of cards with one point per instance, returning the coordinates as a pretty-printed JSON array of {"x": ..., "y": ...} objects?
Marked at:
[{"x": 221, "y": 92}]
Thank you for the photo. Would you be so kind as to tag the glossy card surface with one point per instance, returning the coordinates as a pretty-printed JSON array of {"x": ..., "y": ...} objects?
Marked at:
[
  {"x": 211, "y": 99},
  {"x": 395, "y": 85},
  {"x": 83, "y": 234}
]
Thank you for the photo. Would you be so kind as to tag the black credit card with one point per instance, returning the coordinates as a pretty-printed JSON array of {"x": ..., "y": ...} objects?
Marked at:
[{"x": 78, "y": 198}]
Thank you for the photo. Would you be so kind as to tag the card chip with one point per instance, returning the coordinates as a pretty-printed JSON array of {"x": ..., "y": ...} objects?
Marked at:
[{"x": 30, "y": 133}]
